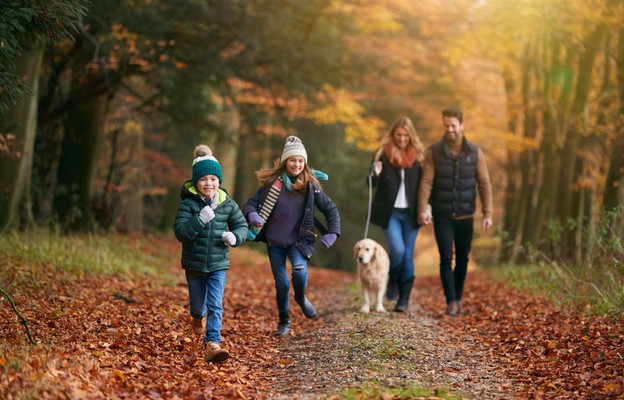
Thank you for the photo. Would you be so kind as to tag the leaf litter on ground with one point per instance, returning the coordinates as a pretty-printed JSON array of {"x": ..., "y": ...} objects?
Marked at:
[{"x": 110, "y": 337}]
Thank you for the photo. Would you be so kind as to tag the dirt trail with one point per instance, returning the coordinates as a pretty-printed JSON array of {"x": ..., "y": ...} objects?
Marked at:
[
  {"x": 507, "y": 345},
  {"x": 391, "y": 349}
]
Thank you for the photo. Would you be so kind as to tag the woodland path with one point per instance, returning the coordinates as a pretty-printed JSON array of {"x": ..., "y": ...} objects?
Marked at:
[
  {"x": 113, "y": 338},
  {"x": 390, "y": 349}
]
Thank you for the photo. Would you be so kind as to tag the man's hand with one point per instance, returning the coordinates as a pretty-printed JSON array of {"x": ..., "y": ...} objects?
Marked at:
[
  {"x": 424, "y": 218},
  {"x": 487, "y": 223}
]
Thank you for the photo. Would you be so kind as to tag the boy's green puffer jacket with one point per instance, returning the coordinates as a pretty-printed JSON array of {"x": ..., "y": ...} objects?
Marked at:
[{"x": 203, "y": 249}]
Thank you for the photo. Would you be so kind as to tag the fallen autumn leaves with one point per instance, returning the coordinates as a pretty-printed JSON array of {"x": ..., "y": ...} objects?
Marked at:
[{"x": 105, "y": 337}]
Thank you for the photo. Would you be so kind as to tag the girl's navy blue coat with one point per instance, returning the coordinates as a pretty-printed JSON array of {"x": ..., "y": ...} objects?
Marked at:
[{"x": 316, "y": 198}]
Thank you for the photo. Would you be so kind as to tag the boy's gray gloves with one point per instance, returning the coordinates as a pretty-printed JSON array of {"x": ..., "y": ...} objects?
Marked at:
[
  {"x": 228, "y": 238},
  {"x": 206, "y": 214}
]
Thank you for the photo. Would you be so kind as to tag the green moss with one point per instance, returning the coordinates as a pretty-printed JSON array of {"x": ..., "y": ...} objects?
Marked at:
[{"x": 373, "y": 390}]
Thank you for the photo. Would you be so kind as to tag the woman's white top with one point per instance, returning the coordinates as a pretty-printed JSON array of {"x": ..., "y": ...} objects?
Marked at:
[{"x": 401, "y": 198}]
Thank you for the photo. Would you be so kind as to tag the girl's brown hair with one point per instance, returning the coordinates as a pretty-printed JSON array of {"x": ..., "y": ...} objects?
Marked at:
[{"x": 266, "y": 177}]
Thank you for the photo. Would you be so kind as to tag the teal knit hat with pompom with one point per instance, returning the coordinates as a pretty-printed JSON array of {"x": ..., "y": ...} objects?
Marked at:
[{"x": 206, "y": 165}]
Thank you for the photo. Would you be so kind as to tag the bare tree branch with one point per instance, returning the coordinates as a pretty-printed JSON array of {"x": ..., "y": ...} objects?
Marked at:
[{"x": 30, "y": 338}]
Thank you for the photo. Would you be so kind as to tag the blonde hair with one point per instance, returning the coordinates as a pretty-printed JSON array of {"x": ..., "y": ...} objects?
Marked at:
[
  {"x": 388, "y": 139},
  {"x": 266, "y": 177}
]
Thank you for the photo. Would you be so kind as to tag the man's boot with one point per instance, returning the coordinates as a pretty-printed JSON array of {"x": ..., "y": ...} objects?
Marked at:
[
  {"x": 405, "y": 289},
  {"x": 453, "y": 308}
]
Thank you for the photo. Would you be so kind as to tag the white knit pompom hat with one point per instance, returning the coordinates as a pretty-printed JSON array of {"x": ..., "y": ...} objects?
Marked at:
[{"x": 293, "y": 147}]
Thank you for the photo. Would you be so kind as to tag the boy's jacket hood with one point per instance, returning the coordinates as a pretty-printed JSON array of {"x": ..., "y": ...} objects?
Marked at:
[{"x": 190, "y": 190}]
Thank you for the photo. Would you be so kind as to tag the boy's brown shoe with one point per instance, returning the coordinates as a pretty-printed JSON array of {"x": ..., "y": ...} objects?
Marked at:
[
  {"x": 199, "y": 325},
  {"x": 214, "y": 353}
]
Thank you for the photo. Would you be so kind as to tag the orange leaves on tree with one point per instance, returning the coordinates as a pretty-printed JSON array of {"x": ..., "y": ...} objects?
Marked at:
[{"x": 340, "y": 105}]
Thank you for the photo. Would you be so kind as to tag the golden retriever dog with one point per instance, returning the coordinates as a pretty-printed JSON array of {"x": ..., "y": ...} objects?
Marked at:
[{"x": 373, "y": 265}]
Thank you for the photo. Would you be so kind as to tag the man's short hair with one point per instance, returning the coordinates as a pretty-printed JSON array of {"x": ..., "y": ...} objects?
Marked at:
[{"x": 453, "y": 112}]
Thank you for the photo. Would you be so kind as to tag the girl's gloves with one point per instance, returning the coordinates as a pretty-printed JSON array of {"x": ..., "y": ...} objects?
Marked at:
[
  {"x": 206, "y": 214},
  {"x": 256, "y": 222},
  {"x": 228, "y": 238},
  {"x": 255, "y": 219},
  {"x": 328, "y": 239}
]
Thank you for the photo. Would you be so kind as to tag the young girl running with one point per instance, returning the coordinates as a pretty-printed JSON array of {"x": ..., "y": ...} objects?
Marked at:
[{"x": 282, "y": 212}]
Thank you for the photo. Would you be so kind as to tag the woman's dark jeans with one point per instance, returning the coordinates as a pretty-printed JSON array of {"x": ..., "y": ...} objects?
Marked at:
[{"x": 458, "y": 233}]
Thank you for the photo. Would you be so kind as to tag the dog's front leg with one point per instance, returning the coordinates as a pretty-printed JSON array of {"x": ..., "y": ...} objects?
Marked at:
[
  {"x": 366, "y": 307},
  {"x": 379, "y": 305}
]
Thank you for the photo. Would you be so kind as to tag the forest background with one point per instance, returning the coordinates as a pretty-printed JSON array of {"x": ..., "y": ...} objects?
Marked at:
[{"x": 102, "y": 103}]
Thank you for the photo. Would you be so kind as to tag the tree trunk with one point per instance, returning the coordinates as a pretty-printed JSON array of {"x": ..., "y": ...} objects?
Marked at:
[
  {"x": 614, "y": 186},
  {"x": 248, "y": 161},
  {"x": 513, "y": 205},
  {"x": 170, "y": 209},
  {"x": 228, "y": 152},
  {"x": 548, "y": 168},
  {"x": 15, "y": 169},
  {"x": 569, "y": 155},
  {"x": 76, "y": 172},
  {"x": 133, "y": 214}
]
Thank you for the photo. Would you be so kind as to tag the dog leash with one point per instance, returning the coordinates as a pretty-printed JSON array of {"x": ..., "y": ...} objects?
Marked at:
[{"x": 370, "y": 202}]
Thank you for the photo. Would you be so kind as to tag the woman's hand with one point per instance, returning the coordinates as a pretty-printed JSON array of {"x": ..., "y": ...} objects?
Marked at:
[{"x": 376, "y": 168}]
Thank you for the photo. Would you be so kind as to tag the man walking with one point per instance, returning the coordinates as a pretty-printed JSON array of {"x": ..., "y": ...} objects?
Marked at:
[{"x": 453, "y": 171}]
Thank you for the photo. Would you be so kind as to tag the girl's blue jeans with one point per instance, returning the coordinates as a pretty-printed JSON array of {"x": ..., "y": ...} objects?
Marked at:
[
  {"x": 277, "y": 257},
  {"x": 401, "y": 234},
  {"x": 206, "y": 297}
]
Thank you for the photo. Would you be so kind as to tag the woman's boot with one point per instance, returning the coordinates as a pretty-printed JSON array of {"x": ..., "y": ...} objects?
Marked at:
[
  {"x": 392, "y": 291},
  {"x": 405, "y": 289}
]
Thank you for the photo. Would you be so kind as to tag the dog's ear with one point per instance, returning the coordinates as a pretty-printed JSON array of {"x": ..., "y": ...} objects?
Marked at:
[
  {"x": 355, "y": 250},
  {"x": 376, "y": 250}
]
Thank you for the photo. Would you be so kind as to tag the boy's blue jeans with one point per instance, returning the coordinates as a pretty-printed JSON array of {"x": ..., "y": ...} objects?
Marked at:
[
  {"x": 401, "y": 234},
  {"x": 277, "y": 257},
  {"x": 206, "y": 296}
]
